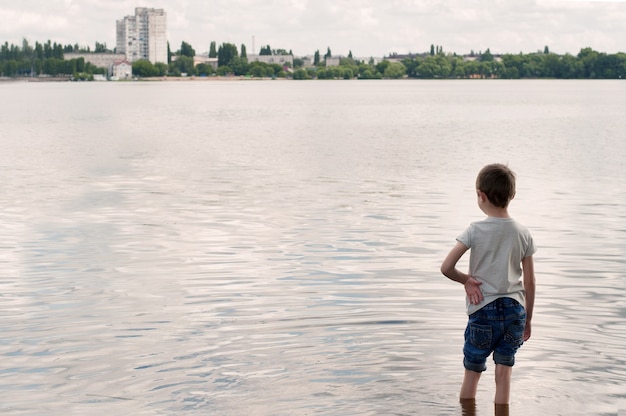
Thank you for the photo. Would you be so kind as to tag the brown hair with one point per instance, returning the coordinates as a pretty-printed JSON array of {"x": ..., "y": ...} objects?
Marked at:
[{"x": 497, "y": 181}]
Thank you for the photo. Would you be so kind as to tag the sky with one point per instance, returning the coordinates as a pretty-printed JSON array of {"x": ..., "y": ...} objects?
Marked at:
[{"x": 367, "y": 28}]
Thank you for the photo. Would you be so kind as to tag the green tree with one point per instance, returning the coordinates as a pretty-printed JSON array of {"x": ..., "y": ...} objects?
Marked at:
[
  {"x": 9, "y": 69},
  {"x": 552, "y": 67},
  {"x": 266, "y": 51},
  {"x": 172, "y": 70},
  {"x": 260, "y": 70},
  {"x": 369, "y": 74},
  {"x": 38, "y": 50},
  {"x": 458, "y": 68},
  {"x": 588, "y": 57},
  {"x": 187, "y": 50},
  {"x": 486, "y": 56},
  {"x": 223, "y": 70},
  {"x": 277, "y": 71},
  {"x": 349, "y": 64},
  {"x": 244, "y": 53},
  {"x": 185, "y": 65},
  {"x": 27, "y": 50},
  {"x": 69, "y": 67},
  {"x": 239, "y": 65},
  {"x": 52, "y": 66},
  {"x": 212, "y": 50},
  {"x": 225, "y": 54},
  {"x": 328, "y": 53},
  {"x": 472, "y": 68},
  {"x": 428, "y": 68},
  {"x": 204, "y": 69},
  {"x": 80, "y": 64},
  {"x": 144, "y": 68},
  {"x": 382, "y": 66},
  {"x": 39, "y": 66},
  {"x": 161, "y": 68},
  {"x": 300, "y": 74},
  {"x": 101, "y": 47},
  {"x": 316, "y": 58}
]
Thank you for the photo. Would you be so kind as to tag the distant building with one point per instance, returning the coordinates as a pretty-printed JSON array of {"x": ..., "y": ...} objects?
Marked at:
[
  {"x": 308, "y": 60},
  {"x": 143, "y": 36},
  {"x": 100, "y": 60},
  {"x": 332, "y": 60},
  {"x": 203, "y": 58},
  {"x": 401, "y": 57},
  {"x": 272, "y": 59},
  {"x": 121, "y": 70}
]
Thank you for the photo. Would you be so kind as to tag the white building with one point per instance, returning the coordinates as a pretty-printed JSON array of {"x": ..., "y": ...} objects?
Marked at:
[
  {"x": 203, "y": 58},
  {"x": 333, "y": 61},
  {"x": 101, "y": 60},
  {"x": 121, "y": 70},
  {"x": 272, "y": 59},
  {"x": 143, "y": 36}
]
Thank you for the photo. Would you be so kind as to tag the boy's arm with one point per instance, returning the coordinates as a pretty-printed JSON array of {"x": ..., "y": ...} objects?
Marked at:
[
  {"x": 528, "y": 269},
  {"x": 448, "y": 268}
]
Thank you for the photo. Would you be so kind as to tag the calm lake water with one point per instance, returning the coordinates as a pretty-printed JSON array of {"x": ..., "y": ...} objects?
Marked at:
[{"x": 273, "y": 247}]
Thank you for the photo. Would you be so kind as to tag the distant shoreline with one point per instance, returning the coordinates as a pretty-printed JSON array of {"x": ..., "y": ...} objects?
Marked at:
[
  {"x": 211, "y": 78},
  {"x": 146, "y": 79},
  {"x": 244, "y": 78}
]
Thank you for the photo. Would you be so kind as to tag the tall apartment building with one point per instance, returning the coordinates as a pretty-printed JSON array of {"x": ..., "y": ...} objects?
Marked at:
[{"x": 143, "y": 36}]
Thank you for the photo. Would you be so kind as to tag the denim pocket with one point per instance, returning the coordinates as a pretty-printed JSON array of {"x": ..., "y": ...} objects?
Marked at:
[
  {"x": 480, "y": 336},
  {"x": 514, "y": 334}
]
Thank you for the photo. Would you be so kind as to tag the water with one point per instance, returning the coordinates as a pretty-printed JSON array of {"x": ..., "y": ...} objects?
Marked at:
[{"x": 272, "y": 248}]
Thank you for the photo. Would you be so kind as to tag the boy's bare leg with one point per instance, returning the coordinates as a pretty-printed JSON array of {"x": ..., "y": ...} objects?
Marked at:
[
  {"x": 470, "y": 384},
  {"x": 503, "y": 383}
]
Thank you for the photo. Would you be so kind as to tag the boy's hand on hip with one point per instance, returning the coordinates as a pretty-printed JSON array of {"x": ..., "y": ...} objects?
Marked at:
[{"x": 472, "y": 289}]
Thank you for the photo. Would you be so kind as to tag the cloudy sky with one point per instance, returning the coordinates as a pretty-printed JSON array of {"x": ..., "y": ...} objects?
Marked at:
[{"x": 365, "y": 27}]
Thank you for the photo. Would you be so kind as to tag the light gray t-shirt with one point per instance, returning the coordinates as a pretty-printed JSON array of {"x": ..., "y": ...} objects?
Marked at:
[{"x": 497, "y": 247}]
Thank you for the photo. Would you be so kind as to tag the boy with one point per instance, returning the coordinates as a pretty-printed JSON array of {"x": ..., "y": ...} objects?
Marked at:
[{"x": 499, "y": 305}]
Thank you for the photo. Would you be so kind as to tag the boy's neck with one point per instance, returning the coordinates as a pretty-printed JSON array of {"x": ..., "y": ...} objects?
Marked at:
[{"x": 498, "y": 213}]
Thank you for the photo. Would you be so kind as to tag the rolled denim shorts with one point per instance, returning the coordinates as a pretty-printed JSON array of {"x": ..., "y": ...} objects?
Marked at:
[{"x": 497, "y": 327}]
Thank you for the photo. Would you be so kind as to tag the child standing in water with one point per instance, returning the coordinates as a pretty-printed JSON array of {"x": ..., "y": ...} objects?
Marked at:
[{"x": 500, "y": 286}]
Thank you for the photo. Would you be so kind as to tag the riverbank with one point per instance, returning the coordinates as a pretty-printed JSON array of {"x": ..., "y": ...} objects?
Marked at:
[
  {"x": 36, "y": 79},
  {"x": 211, "y": 78}
]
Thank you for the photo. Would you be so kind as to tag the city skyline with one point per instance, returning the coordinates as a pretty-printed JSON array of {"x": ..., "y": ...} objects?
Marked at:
[{"x": 366, "y": 28}]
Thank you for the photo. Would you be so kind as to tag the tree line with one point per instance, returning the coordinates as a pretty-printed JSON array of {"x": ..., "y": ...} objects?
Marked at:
[
  {"x": 587, "y": 64},
  {"x": 48, "y": 59}
]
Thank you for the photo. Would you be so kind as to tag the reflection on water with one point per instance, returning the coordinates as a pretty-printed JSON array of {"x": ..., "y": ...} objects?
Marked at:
[
  {"x": 273, "y": 248},
  {"x": 469, "y": 407}
]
